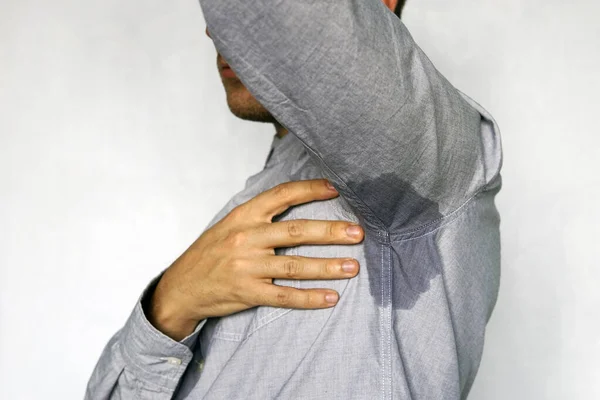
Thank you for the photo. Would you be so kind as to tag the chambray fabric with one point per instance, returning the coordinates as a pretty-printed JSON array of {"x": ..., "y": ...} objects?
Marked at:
[{"x": 417, "y": 164}]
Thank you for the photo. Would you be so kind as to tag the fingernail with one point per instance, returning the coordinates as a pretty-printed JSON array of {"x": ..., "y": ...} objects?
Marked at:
[
  {"x": 348, "y": 266},
  {"x": 353, "y": 230},
  {"x": 331, "y": 187},
  {"x": 331, "y": 298}
]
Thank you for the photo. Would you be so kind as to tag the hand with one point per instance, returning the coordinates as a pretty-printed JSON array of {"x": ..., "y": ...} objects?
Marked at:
[{"x": 231, "y": 266}]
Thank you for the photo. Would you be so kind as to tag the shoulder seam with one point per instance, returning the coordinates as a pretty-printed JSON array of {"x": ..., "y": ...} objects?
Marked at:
[{"x": 443, "y": 221}]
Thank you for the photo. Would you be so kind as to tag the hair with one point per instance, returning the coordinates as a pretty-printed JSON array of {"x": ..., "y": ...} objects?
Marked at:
[{"x": 399, "y": 7}]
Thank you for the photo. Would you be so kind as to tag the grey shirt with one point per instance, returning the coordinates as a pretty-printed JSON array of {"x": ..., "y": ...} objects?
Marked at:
[{"x": 417, "y": 164}]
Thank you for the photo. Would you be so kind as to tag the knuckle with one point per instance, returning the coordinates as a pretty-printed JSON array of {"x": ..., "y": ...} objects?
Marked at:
[
  {"x": 329, "y": 268},
  {"x": 283, "y": 298},
  {"x": 331, "y": 230},
  {"x": 238, "y": 265},
  {"x": 236, "y": 238},
  {"x": 236, "y": 213},
  {"x": 282, "y": 191},
  {"x": 308, "y": 300},
  {"x": 295, "y": 228},
  {"x": 292, "y": 268}
]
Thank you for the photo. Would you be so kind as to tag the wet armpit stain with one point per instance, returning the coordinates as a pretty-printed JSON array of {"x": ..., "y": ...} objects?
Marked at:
[
  {"x": 414, "y": 263},
  {"x": 393, "y": 206},
  {"x": 395, "y": 203}
]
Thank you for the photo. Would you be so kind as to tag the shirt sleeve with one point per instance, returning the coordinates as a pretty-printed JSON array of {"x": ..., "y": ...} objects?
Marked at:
[
  {"x": 139, "y": 359},
  {"x": 400, "y": 143}
]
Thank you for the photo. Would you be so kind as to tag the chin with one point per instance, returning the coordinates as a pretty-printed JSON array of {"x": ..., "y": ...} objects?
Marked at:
[{"x": 243, "y": 105}]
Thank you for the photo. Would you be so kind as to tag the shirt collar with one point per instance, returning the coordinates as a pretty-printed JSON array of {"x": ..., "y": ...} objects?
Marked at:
[{"x": 280, "y": 149}]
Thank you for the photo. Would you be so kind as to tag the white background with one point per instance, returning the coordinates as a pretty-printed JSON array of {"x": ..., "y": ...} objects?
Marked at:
[{"x": 117, "y": 148}]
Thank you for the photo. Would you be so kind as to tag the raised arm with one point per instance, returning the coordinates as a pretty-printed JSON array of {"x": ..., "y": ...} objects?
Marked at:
[{"x": 345, "y": 76}]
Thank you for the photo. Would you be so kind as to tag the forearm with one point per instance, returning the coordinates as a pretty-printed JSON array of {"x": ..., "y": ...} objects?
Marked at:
[
  {"x": 167, "y": 314},
  {"x": 141, "y": 358}
]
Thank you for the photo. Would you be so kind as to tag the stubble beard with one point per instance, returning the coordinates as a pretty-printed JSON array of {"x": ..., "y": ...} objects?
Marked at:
[{"x": 242, "y": 104}]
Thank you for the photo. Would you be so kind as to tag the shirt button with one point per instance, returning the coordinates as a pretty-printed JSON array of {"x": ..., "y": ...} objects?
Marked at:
[{"x": 172, "y": 360}]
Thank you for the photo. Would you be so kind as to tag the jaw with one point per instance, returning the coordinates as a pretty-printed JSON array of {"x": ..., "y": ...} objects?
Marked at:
[{"x": 242, "y": 104}]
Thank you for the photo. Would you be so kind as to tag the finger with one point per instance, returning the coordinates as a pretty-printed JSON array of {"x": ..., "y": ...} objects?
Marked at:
[
  {"x": 295, "y": 267},
  {"x": 276, "y": 200},
  {"x": 305, "y": 231},
  {"x": 287, "y": 297}
]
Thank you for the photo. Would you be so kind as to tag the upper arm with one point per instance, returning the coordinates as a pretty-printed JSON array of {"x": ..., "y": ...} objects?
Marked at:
[{"x": 345, "y": 76}]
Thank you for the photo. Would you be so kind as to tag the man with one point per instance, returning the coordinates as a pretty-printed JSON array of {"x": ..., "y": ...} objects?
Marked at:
[{"x": 262, "y": 305}]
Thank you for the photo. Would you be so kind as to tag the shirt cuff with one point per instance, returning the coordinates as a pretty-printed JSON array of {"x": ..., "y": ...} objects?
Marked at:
[{"x": 151, "y": 354}]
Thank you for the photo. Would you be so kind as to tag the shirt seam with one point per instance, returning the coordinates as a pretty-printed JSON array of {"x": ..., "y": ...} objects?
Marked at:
[
  {"x": 437, "y": 223},
  {"x": 148, "y": 376}
]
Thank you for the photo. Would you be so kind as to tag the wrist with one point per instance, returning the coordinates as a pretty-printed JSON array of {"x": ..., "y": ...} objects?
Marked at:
[{"x": 167, "y": 315}]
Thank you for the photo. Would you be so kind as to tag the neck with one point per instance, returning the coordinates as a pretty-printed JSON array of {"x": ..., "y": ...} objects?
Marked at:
[{"x": 280, "y": 130}]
